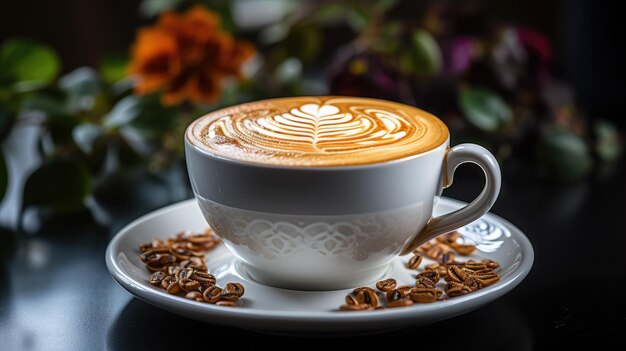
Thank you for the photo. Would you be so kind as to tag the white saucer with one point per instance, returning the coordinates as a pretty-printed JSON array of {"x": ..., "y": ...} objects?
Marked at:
[{"x": 283, "y": 311}]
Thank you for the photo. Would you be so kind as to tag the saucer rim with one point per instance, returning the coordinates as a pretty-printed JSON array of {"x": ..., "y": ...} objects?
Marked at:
[{"x": 166, "y": 301}]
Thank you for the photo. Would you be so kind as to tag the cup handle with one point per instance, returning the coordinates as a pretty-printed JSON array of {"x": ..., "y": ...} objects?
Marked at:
[{"x": 446, "y": 223}]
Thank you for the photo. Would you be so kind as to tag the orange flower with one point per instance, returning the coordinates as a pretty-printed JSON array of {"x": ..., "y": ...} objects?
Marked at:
[{"x": 187, "y": 56}]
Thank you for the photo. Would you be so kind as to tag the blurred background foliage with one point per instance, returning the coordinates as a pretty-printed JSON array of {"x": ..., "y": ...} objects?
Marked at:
[{"x": 99, "y": 127}]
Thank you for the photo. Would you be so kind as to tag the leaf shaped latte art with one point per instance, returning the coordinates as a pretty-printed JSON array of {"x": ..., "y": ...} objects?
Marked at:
[
  {"x": 319, "y": 131},
  {"x": 320, "y": 128}
]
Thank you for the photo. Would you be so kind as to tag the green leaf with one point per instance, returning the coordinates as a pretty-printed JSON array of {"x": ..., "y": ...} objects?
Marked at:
[
  {"x": 146, "y": 114},
  {"x": 127, "y": 156},
  {"x": 60, "y": 186},
  {"x": 564, "y": 155},
  {"x": 4, "y": 176},
  {"x": 273, "y": 33},
  {"x": 484, "y": 109},
  {"x": 289, "y": 70},
  {"x": 83, "y": 87},
  {"x": 608, "y": 145},
  {"x": 386, "y": 4},
  {"x": 124, "y": 112},
  {"x": 30, "y": 63},
  {"x": 113, "y": 68},
  {"x": 49, "y": 106},
  {"x": 85, "y": 136},
  {"x": 332, "y": 12},
  {"x": 58, "y": 121},
  {"x": 425, "y": 53},
  {"x": 154, "y": 119},
  {"x": 152, "y": 8},
  {"x": 7, "y": 118},
  {"x": 358, "y": 18},
  {"x": 92, "y": 141},
  {"x": 223, "y": 9}
]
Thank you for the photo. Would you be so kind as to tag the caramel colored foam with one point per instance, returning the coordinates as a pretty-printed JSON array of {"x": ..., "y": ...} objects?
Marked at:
[{"x": 318, "y": 131}]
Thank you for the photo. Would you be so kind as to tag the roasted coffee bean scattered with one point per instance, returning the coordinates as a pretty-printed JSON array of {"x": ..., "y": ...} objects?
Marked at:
[
  {"x": 461, "y": 278},
  {"x": 394, "y": 295},
  {"x": 167, "y": 281},
  {"x": 234, "y": 288},
  {"x": 457, "y": 274},
  {"x": 454, "y": 289},
  {"x": 433, "y": 276},
  {"x": 423, "y": 282},
  {"x": 368, "y": 297},
  {"x": 385, "y": 285},
  {"x": 156, "y": 278},
  {"x": 447, "y": 258},
  {"x": 212, "y": 294},
  {"x": 485, "y": 277},
  {"x": 189, "y": 285},
  {"x": 463, "y": 250},
  {"x": 424, "y": 295},
  {"x": 415, "y": 262},
  {"x": 351, "y": 300},
  {"x": 194, "y": 295},
  {"x": 399, "y": 303},
  {"x": 356, "y": 291},
  {"x": 179, "y": 267},
  {"x": 441, "y": 269}
]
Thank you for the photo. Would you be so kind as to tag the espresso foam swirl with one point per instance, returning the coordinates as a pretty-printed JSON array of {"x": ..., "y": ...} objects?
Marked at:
[{"x": 318, "y": 131}]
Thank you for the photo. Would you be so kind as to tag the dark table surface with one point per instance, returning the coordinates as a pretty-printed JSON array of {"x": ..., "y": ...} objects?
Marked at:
[{"x": 56, "y": 293}]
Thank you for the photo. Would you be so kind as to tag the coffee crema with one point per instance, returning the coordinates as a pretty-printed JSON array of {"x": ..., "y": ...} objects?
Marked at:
[{"x": 322, "y": 131}]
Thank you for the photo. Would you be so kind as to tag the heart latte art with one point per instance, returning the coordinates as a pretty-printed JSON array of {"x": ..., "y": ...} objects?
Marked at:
[{"x": 318, "y": 131}]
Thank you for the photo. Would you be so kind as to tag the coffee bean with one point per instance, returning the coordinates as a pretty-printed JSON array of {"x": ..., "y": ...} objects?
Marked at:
[
  {"x": 485, "y": 277},
  {"x": 357, "y": 290},
  {"x": 424, "y": 295},
  {"x": 457, "y": 274},
  {"x": 454, "y": 289},
  {"x": 174, "y": 288},
  {"x": 194, "y": 295},
  {"x": 415, "y": 262},
  {"x": 167, "y": 281},
  {"x": 185, "y": 273},
  {"x": 156, "y": 278},
  {"x": 351, "y": 300},
  {"x": 399, "y": 303},
  {"x": 385, "y": 285},
  {"x": 229, "y": 296},
  {"x": 367, "y": 297},
  {"x": 179, "y": 267},
  {"x": 235, "y": 288},
  {"x": 433, "y": 276},
  {"x": 188, "y": 285},
  {"x": 212, "y": 294},
  {"x": 423, "y": 282}
]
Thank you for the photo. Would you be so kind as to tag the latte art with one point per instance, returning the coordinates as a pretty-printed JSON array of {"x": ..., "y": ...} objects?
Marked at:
[
  {"x": 318, "y": 131},
  {"x": 316, "y": 128}
]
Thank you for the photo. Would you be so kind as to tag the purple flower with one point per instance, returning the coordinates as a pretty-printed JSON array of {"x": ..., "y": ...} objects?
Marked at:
[
  {"x": 539, "y": 51},
  {"x": 459, "y": 54}
]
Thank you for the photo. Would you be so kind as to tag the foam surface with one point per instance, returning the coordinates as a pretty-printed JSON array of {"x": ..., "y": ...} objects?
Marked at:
[{"x": 318, "y": 131}]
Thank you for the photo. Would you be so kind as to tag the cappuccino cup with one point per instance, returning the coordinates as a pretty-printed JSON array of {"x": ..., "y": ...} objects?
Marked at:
[{"x": 320, "y": 193}]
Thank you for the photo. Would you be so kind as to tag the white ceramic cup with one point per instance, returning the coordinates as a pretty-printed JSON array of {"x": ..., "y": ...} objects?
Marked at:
[{"x": 321, "y": 228}]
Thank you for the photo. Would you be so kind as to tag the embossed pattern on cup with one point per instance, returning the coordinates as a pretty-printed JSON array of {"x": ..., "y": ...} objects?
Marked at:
[{"x": 315, "y": 252}]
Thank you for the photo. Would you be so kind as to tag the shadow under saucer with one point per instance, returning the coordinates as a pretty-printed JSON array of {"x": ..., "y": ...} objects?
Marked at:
[{"x": 500, "y": 325}]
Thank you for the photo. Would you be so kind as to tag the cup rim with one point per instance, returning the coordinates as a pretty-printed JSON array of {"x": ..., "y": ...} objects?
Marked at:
[{"x": 207, "y": 153}]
